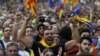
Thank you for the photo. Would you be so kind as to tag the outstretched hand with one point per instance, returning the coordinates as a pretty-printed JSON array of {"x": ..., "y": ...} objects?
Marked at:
[
  {"x": 28, "y": 16},
  {"x": 17, "y": 17},
  {"x": 40, "y": 53},
  {"x": 60, "y": 51}
]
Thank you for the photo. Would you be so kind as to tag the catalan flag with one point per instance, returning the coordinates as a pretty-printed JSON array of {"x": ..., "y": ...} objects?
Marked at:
[
  {"x": 87, "y": 22},
  {"x": 75, "y": 2},
  {"x": 32, "y": 4},
  {"x": 51, "y": 3},
  {"x": 65, "y": 1},
  {"x": 60, "y": 8},
  {"x": 60, "y": 13}
]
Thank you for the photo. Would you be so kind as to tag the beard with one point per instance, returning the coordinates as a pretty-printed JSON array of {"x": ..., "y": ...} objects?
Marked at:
[
  {"x": 84, "y": 53},
  {"x": 81, "y": 49}
]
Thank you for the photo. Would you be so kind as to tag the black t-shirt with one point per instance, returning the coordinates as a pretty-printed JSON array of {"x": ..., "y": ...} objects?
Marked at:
[
  {"x": 37, "y": 45},
  {"x": 74, "y": 54},
  {"x": 37, "y": 38}
]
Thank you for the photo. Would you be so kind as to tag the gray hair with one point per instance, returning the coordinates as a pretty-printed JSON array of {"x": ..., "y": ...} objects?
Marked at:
[{"x": 13, "y": 44}]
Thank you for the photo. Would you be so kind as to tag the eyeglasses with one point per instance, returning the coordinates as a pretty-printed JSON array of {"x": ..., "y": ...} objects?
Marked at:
[{"x": 7, "y": 30}]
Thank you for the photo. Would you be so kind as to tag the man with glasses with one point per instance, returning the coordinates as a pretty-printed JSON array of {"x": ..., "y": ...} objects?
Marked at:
[{"x": 6, "y": 37}]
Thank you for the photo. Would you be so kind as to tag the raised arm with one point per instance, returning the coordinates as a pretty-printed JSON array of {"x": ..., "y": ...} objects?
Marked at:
[
  {"x": 26, "y": 40},
  {"x": 15, "y": 28},
  {"x": 75, "y": 38},
  {"x": 22, "y": 31},
  {"x": 75, "y": 33}
]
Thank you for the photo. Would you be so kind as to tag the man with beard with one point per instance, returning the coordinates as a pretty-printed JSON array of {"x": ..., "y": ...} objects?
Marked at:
[
  {"x": 84, "y": 47},
  {"x": 46, "y": 42}
]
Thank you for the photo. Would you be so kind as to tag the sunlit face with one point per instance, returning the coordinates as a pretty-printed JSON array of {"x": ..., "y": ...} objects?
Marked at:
[
  {"x": 55, "y": 29},
  {"x": 85, "y": 46},
  {"x": 48, "y": 36},
  {"x": 56, "y": 38},
  {"x": 49, "y": 53},
  {"x": 7, "y": 31},
  {"x": 41, "y": 30},
  {"x": 12, "y": 51},
  {"x": 29, "y": 32}
]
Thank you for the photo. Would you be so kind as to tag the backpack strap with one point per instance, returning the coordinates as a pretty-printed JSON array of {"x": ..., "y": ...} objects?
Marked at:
[{"x": 1, "y": 42}]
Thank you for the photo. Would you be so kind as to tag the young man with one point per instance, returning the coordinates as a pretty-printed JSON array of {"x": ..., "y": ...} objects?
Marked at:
[
  {"x": 84, "y": 47},
  {"x": 6, "y": 37}
]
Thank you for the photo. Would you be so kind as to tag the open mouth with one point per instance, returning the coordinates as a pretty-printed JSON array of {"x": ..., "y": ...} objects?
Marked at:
[{"x": 50, "y": 40}]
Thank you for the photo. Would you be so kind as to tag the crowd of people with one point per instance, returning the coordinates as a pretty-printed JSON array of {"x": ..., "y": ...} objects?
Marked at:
[{"x": 47, "y": 34}]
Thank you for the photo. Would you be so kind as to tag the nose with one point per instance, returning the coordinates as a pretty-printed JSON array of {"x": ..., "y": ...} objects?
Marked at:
[
  {"x": 87, "y": 46},
  {"x": 50, "y": 34},
  {"x": 29, "y": 32}
]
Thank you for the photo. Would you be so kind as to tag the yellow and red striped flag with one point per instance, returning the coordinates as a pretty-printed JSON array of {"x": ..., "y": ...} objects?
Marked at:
[
  {"x": 60, "y": 13},
  {"x": 65, "y": 1},
  {"x": 85, "y": 21},
  {"x": 75, "y": 2},
  {"x": 32, "y": 4}
]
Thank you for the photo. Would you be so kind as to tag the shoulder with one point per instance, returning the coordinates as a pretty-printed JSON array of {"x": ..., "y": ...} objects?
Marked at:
[{"x": 36, "y": 45}]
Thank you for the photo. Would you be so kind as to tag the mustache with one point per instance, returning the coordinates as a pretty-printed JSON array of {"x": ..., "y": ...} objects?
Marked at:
[{"x": 50, "y": 36}]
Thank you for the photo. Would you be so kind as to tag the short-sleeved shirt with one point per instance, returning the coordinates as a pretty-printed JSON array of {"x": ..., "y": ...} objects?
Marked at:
[{"x": 37, "y": 45}]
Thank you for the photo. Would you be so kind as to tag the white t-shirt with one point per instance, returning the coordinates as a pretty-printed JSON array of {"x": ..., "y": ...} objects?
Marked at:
[
  {"x": 23, "y": 53},
  {"x": 6, "y": 43}
]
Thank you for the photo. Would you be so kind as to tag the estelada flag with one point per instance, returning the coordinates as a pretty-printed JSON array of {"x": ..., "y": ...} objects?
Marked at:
[{"x": 32, "y": 4}]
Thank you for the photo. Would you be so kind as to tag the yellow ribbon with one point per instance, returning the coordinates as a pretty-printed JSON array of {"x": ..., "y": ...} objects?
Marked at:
[
  {"x": 46, "y": 45},
  {"x": 32, "y": 53}
]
